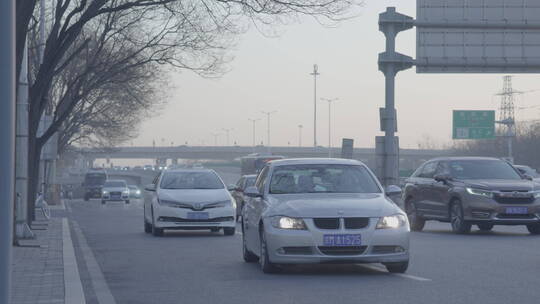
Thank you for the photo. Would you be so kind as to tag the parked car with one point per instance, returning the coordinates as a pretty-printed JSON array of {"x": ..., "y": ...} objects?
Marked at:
[
  {"x": 529, "y": 172},
  {"x": 323, "y": 211},
  {"x": 468, "y": 191},
  {"x": 188, "y": 199},
  {"x": 115, "y": 190},
  {"x": 134, "y": 192},
  {"x": 238, "y": 191}
]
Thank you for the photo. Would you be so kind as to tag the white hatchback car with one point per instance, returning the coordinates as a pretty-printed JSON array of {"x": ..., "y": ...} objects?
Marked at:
[
  {"x": 189, "y": 199},
  {"x": 323, "y": 211}
]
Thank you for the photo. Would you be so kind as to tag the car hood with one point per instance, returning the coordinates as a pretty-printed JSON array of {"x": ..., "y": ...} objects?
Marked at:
[
  {"x": 503, "y": 185},
  {"x": 194, "y": 195},
  {"x": 331, "y": 205}
]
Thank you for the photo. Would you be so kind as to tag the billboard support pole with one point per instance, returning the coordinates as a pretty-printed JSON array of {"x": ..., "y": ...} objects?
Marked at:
[{"x": 390, "y": 63}]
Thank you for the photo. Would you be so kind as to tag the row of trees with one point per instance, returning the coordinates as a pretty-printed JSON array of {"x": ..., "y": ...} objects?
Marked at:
[{"x": 105, "y": 62}]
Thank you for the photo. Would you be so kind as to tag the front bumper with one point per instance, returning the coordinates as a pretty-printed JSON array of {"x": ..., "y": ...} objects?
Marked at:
[
  {"x": 306, "y": 246},
  {"x": 177, "y": 218},
  {"x": 110, "y": 198},
  {"x": 486, "y": 210}
]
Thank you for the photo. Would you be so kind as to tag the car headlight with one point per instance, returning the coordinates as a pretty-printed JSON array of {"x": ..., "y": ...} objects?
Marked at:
[
  {"x": 105, "y": 193},
  {"x": 168, "y": 203},
  {"x": 480, "y": 192},
  {"x": 392, "y": 222},
  {"x": 138, "y": 192},
  {"x": 285, "y": 222},
  {"x": 125, "y": 192}
]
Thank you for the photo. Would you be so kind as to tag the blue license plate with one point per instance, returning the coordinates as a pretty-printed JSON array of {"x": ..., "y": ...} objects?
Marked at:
[
  {"x": 342, "y": 240},
  {"x": 197, "y": 215},
  {"x": 517, "y": 210}
]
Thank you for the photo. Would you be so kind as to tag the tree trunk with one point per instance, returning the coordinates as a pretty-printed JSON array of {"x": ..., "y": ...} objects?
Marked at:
[{"x": 34, "y": 155}]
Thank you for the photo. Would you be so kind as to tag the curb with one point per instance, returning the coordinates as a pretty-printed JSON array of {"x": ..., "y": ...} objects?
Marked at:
[{"x": 73, "y": 290}]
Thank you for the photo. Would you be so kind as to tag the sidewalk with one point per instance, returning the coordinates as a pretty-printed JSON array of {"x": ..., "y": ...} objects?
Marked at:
[{"x": 38, "y": 272}]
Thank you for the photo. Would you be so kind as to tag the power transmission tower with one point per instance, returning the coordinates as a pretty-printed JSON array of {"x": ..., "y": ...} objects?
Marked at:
[{"x": 507, "y": 114}]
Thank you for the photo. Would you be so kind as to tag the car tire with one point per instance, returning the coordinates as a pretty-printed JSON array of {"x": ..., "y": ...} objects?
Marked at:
[
  {"x": 485, "y": 227},
  {"x": 229, "y": 230},
  {"x": 249, "y": 257},
  {"x": 147, "y": 227},
  {"x": 103, "y": 202},
  {"x": 214, "y": 229},
  {"x": 416, "y": 222},
  {"x": 397, "y": 267},
  {"x": 266, "y": 265},
  {"x": 533, "y": 228},
  {"x": 127, "y": 201},
  {"x": 156, "y": 231},
  {"x": 459, "y": 225}
]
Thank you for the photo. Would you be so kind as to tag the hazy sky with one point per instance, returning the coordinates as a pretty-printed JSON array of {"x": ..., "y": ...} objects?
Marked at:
[{"x": 272, "y": 74}]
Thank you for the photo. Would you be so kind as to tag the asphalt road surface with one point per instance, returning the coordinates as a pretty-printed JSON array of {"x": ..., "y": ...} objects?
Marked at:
[{"x": 119, "y": 263}]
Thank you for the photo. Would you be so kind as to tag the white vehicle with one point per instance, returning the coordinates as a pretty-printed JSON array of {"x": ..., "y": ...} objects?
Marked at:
[
  {"x": 190, "y": 199},
  {"x": 115, "y": 190},
  {"x": 323, "y": 211}
]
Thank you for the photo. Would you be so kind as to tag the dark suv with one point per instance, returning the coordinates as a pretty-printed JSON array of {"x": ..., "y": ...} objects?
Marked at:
[{"x": 468, "y": 191}]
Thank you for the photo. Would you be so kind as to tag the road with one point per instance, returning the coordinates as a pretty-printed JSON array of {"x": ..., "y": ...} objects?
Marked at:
[{"x": 117, "y": 260}]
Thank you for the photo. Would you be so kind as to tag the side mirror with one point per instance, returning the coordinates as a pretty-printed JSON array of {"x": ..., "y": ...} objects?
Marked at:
[
  {"x": 392, "y": 190},
  {"x": 527, "y": 177},
  {"x": 150, "y": 187},
  {"x": 442, "y": 178},
  {"x": 252, "y": 192},
  {"x": 232, "y": 187}
]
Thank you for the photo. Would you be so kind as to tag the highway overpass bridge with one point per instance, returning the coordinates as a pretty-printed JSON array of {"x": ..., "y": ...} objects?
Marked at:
[{"x": 409, "y": 158}]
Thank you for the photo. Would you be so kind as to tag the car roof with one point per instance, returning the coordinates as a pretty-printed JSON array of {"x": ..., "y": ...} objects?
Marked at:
[
  {"x": 315, "y": 161},
  {"x": 464, "y": 158}
]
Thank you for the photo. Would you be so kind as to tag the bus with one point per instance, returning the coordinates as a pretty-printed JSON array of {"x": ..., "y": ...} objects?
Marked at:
[
  {"x": 93, "y": 182},
  {"x": 254, "y": 163}
]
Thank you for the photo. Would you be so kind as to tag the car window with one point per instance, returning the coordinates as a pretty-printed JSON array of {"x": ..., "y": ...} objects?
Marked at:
[
  {"x": 429, "y": 170},
  {"x": 261, "y": 179},
  {"x": 483, "y": 169},
  {"x": 250, "y": 181},
  {"x": 418, "y": 171},
  {"x": 443, "y": 169},
  {"x": 240, "y": 183},
  {"x": 191, "y": 180},
  {"x": 322, "y": 178}
]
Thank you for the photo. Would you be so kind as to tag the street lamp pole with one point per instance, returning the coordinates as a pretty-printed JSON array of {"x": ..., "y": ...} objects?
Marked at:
[
  {"x": 315, "y": 74},
  {"x": 216, "y": 135},
  {"x": 227, "y": 133},
  {"x": 254, "y": 121},
  {"x": 330, "y": 101},
  {"x": 268, "y": 127},
  {"x": 300, "y": 135}
]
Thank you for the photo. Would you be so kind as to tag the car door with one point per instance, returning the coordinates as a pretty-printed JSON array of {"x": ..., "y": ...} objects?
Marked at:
[
  {"x": 424, "y": 185},
  {"x": 149, "y": 198},
  {"x": 253, "y": 212},
  {"x": 237, "y": 193},
  {"x": 441, "y": 192}
]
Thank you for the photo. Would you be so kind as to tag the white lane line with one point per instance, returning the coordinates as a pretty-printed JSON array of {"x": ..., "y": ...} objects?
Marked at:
[
  {"x": 402, "y": 275},
  {"x": 73, "y": 290},
  {"x": 101, "y": 289}
]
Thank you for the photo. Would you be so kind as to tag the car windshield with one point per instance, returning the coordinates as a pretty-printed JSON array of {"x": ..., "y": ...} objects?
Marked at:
[
  {"x": 191, "y": 180},
  {"x": 115, "y": 184},
  {"x": 322, "y": 179},
  {"x": 482, "y": 169},
  {"x": 133, "y": 187},
  {"x": 250, "y": 181}
]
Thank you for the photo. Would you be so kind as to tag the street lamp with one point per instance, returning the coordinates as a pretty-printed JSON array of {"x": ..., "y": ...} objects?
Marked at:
[
  {"x": 254, "y": 121},
  {"x": 315, "y": 73},
  {"x": 300, "y": 135},
  {"x": 268, "y": 127},
  {"x": 330, "y": 101},
  {"x": 227, "y": 132}
]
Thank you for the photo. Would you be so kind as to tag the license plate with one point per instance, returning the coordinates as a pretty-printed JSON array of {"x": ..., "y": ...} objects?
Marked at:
[
  {"x": 197, "y": 215},
  {"x": 517, "y": 210},
  {"x": 342, "y": 240}
]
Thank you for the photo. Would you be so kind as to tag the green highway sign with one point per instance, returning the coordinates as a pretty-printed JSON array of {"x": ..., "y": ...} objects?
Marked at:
[{"x": 474, "y": 125}]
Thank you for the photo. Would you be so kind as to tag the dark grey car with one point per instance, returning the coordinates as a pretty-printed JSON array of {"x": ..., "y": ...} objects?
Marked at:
[
  {"x": 468, "y": 191},
  {"x": 238, "y": 191}
]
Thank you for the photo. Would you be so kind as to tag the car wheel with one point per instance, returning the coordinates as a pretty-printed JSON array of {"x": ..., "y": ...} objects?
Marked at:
[
  {"x": 264, "y": 261},
  {"x": 397, "y": 267},
  {"x": 534, "y": 228},
  {"x": 127, "y": 201},
  {"x": 416, "y": 222},
  {"x": 156, "y": 231},
  {"x": 147, "y": 227},
  {"x": 103, "y": 202},
  {"x": 249, "y": 257},
  {"x": 459, "y": 225},
  {"x": 214, "y": 229},
  {"x": 229, "y": 230},
  {"x": 485, "y": 227}
]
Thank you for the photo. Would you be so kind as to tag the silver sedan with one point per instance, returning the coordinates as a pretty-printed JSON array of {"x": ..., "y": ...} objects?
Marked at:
[{"x": 323, "y": 211}]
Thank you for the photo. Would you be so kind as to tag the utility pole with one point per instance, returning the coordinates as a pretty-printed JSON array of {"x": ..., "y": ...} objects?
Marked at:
[
  {"x": 300, "y": 135},
  {"x": 227, "y": 131},
  {"x": 254, "y": 121},
  {"x": 506, "y": 114},
  {"x": 216, "y": 135},
  {"x": 315, "y": 74},
  {"x": 268, "y": 127},
  {"x": 330, "y": 123},
  {"x": 7, "y": 141}
]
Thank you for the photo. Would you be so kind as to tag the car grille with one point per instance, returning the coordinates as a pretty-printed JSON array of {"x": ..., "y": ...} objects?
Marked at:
[
  {"x": 339, "y": 250},
  {"x": 386, "y": 249},
  {"x": 516, "y": 216},
  {"x": 326, "y": 223},
  {"x": 183, "y": 220},
  {"x": 297, "y": 250},
  {"x": 191, "y": 207},
  {"x": 514, "y": 200},
  {"x": 356, "y": 222}
]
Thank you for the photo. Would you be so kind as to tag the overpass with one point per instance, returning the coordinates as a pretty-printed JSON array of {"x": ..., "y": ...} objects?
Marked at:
[{"x": 409, "y": 158}]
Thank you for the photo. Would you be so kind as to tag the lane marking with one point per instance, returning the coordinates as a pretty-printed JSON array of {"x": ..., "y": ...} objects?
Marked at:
[
  {"x": 402, "y": 275},
  {"x": 73, "y": 290},
  {"x": 101, "y": 289}
]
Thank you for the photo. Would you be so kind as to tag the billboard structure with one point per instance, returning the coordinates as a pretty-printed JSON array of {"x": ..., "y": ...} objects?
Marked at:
[{"x": 478, "y": 36}]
